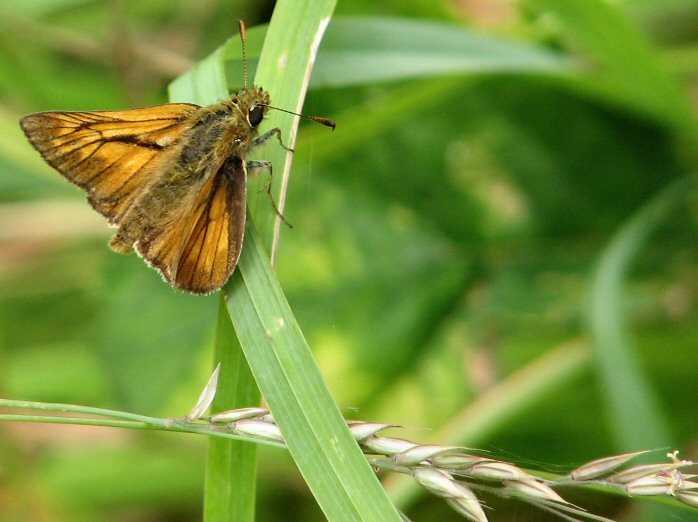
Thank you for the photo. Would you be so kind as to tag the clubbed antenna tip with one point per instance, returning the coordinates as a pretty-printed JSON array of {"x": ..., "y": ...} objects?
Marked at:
[{"x": 322, "y": 121}]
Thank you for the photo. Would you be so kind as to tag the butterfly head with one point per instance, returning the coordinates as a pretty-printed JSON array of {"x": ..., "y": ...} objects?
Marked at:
[
  {"x": 257, "y": 98},
  {"x": 253, "y": 104}
]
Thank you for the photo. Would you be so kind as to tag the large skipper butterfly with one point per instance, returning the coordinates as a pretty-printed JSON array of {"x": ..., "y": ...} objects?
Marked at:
[{"x": 172, "y": 178}]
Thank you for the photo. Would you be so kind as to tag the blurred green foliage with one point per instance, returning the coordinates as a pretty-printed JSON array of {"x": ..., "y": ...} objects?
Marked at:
[{"x": 446, "y": 236}]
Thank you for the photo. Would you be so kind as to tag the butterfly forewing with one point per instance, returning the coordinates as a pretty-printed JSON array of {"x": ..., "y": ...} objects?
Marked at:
[{"x": 110, "y": 154}]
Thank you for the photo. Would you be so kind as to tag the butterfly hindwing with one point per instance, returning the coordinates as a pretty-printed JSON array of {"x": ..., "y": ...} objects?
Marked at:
[
  {"x": 110, "y": 154},
  {"x": 200, "y": 247}
]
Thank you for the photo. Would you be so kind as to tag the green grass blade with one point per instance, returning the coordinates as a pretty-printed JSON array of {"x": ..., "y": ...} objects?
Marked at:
[
  {"x": 361, "y": 50},
  {"x": 284, "y": 69},
  {"x": 365, "y": 50},
  {"x": 631, "y": 70},
  {"x": 205, "y": 83},
  {"x": 229, "y": 490},
  {"x": 634, "y": 410},
  {"x": 317, "y": 437}
]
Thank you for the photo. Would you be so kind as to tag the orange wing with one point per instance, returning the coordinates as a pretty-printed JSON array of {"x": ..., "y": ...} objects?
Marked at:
[
  {"x": 199, "y": 251},
  {"x": 110, "y": 154}
]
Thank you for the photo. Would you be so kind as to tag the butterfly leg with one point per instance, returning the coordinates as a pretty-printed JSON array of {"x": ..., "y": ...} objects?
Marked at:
[
  {"x": 267, "y": 136},
  {"x": 254, "y": 166}
]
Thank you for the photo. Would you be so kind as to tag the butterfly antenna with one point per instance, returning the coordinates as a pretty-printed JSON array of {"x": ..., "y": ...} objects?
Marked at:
[
  {"x": 322, "y": 121},
  {"x": 243, "y": 39}
]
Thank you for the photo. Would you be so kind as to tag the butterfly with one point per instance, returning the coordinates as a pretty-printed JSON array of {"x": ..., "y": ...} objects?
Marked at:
[{"x": 172, "y": 177}]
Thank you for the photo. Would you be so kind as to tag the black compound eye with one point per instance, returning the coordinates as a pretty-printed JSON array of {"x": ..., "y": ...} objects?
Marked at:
[{"x": 255, "y": 115}]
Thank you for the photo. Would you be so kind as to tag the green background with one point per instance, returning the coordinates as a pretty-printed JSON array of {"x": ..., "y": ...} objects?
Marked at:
[{"x": 490, "y": 253}]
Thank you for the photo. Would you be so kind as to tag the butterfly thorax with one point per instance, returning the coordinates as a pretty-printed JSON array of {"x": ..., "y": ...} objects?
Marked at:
[{"x": 223, "y": 130}]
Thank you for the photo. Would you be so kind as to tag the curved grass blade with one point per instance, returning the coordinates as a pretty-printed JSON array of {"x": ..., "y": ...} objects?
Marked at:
[
  {"x": 634, "y": 410},
  {"x": 361, "y": 50},
  {"x": 365, "y": 50}
]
